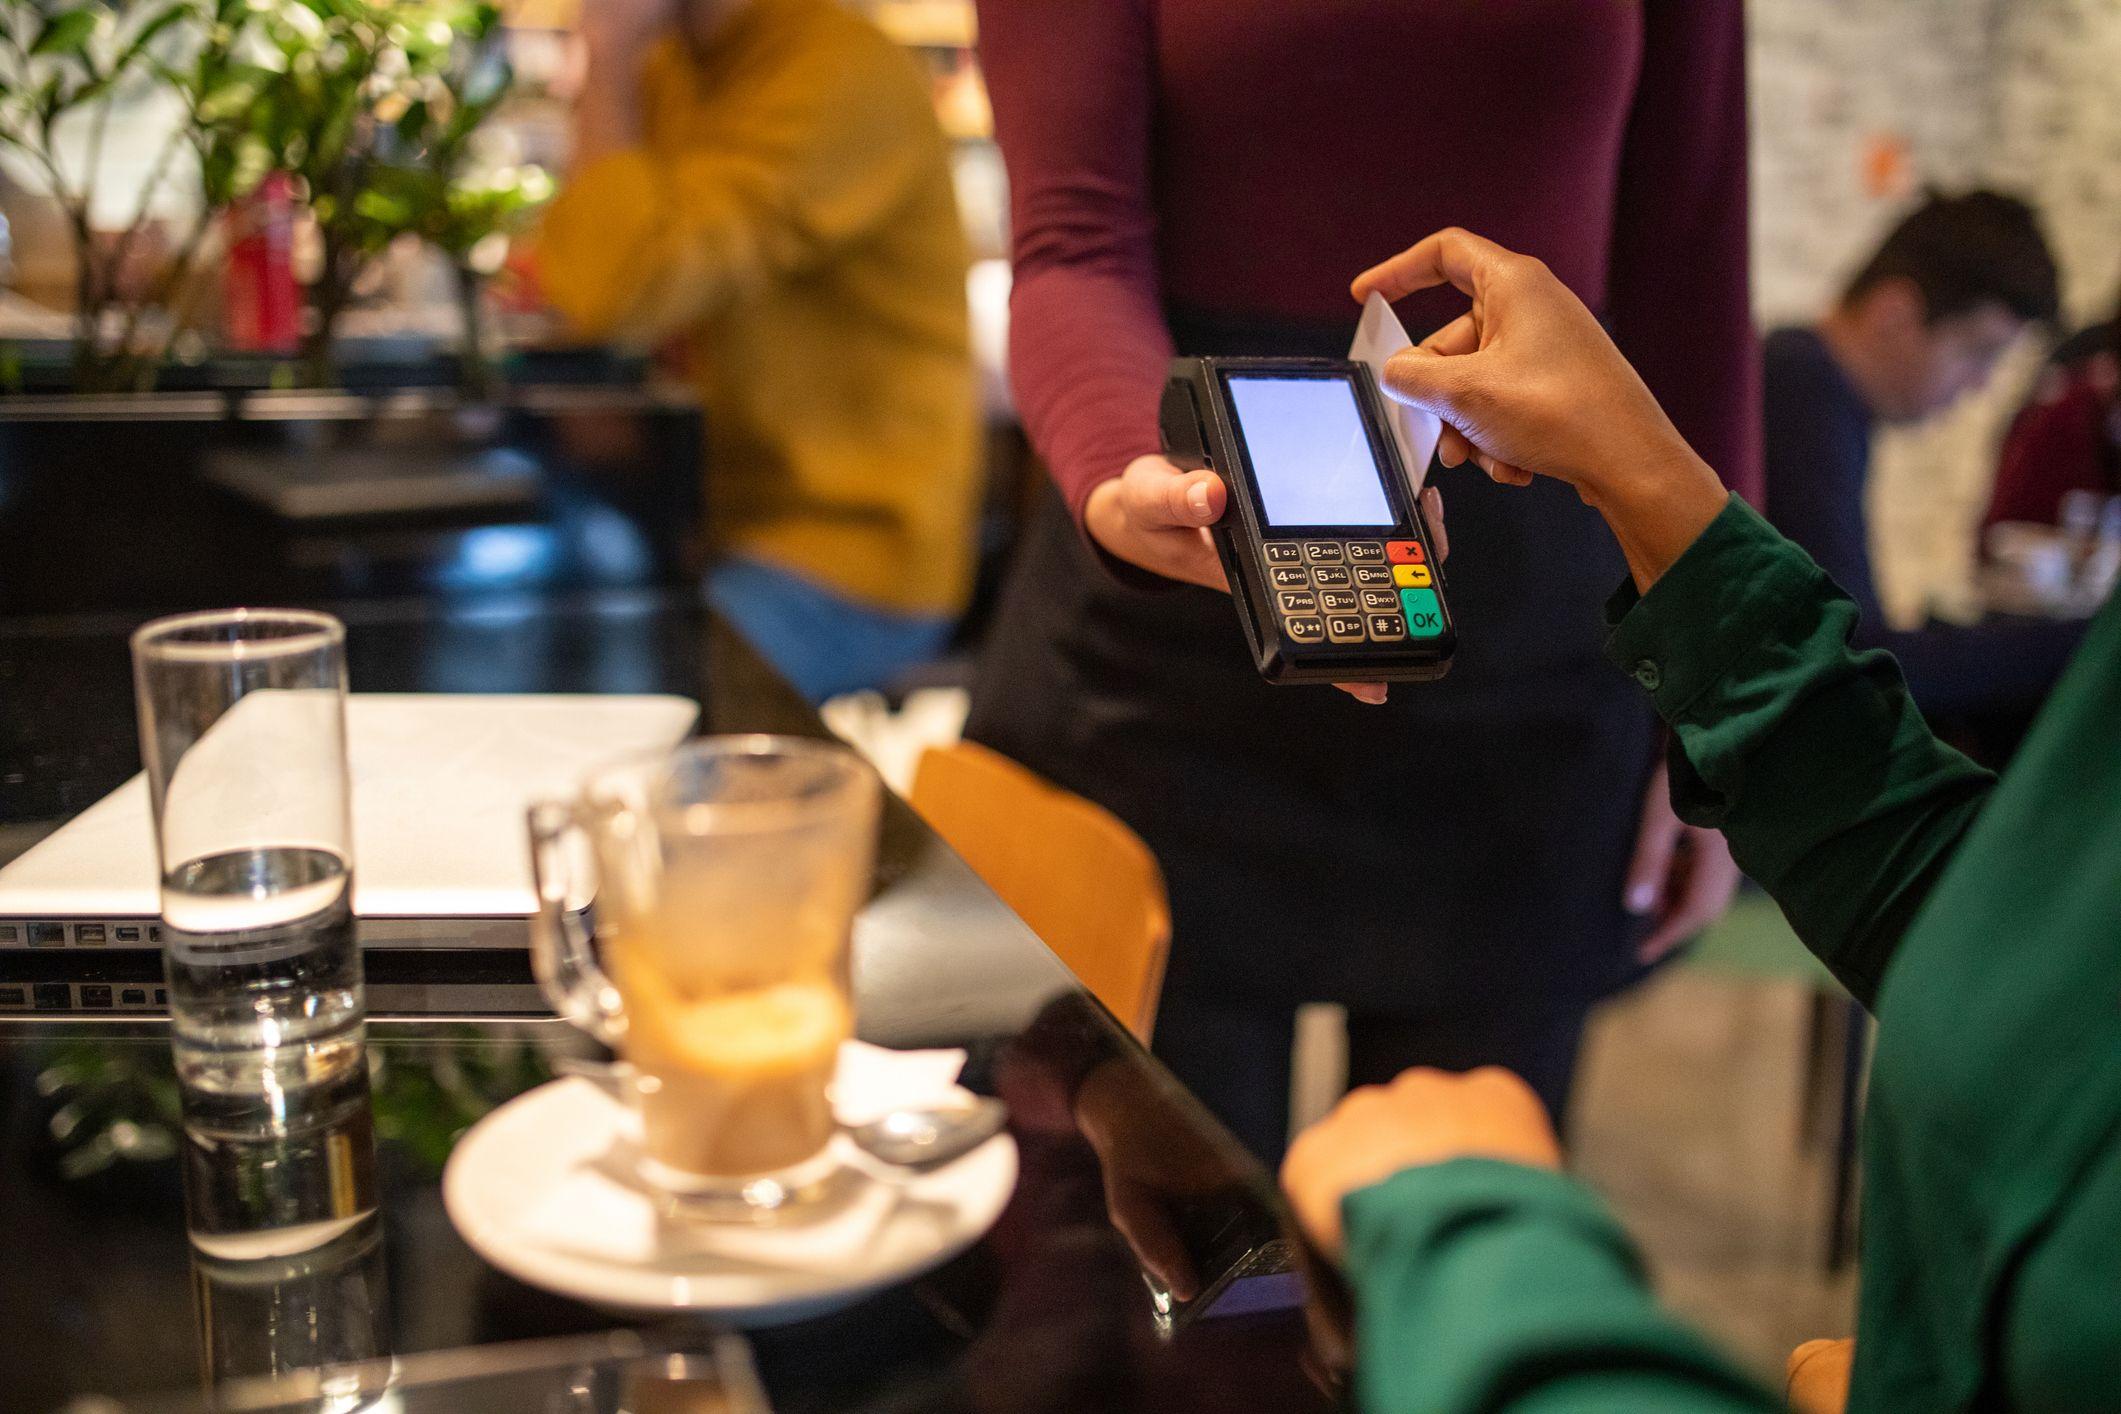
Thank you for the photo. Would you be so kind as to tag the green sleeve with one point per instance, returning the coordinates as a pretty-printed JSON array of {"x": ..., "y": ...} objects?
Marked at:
[
  {"x": 1487, "y": 1286},
  {"x": 1808, "y": 754}
]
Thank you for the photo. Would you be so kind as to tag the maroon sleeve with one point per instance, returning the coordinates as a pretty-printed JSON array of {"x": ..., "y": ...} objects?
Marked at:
[
  {"x": 2053, "y": 449},
  {"x": 1072, "y": 84},
  {"x": 1678, "y": 288}
]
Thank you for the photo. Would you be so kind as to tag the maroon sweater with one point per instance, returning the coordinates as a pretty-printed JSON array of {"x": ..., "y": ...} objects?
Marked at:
[{"x": 1250, "y": 157}]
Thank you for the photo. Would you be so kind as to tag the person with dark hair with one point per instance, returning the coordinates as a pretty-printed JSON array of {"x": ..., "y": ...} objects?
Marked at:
[
  {"x": 2068, "y": 438},
  {"x": 1922, "y": 324}
]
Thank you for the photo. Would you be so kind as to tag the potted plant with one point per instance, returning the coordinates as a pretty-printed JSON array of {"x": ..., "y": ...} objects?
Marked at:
[
  {"x": 435, "y": 182},
  {"x": 64, "y": 68}
]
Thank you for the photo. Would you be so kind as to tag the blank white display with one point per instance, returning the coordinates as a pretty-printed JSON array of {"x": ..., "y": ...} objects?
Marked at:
[{"x": 1310, "y": 453}]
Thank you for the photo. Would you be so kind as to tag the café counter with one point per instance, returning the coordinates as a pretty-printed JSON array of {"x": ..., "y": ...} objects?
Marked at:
[{"x": 101, "y": 1292}]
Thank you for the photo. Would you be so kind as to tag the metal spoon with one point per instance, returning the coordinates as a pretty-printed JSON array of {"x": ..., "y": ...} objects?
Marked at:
[
  {"x": 919, "y": 1139},
  {"x": 924, "y": 1140}
]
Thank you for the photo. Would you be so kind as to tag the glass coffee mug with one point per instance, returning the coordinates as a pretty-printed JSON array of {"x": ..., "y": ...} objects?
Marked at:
[{"x": 694, "y": 911}]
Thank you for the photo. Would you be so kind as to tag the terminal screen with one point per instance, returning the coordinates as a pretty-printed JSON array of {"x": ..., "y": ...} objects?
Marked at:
[{"x": 1311, "y": 455}]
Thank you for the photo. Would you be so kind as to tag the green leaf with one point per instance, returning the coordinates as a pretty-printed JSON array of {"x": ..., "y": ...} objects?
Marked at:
[
  {"x": 147, "y": 34},
  {"x": 66, "y": 33}
]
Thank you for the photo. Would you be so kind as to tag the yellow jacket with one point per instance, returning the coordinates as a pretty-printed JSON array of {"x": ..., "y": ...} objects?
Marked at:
[{"x": 791, "y": 217}]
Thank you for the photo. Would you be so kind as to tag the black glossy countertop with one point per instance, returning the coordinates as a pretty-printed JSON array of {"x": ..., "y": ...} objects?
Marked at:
[{"x": 98, "y": 1287}]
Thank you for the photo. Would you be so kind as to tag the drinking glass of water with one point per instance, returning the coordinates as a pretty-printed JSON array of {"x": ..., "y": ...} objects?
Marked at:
[{"x": 243, "y": 732}]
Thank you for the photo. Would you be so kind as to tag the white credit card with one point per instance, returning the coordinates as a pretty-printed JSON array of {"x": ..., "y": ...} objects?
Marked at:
[{"x": 1377, "y": 338}]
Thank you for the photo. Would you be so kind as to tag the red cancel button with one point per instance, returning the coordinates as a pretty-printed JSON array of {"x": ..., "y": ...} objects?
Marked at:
[{"x": 1405, "y": 552}]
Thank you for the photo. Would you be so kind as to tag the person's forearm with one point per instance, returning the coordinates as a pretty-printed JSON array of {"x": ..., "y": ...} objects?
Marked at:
[
  {"x": 1482, "y": 1285},
  {"x": 1657, "y": 507},
  {"x": 1807, "y": 753}
]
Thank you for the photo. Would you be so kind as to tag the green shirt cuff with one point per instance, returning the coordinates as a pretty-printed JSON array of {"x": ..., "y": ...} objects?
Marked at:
[
  {"x": 1411, "y": 1205},
  {"x": 1731, "y": 591}
]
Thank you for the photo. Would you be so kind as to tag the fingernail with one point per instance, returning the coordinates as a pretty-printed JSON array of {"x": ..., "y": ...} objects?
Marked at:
[
  {"x": 1197, "y": 497},
  {"x": 1642, "y": 898}
]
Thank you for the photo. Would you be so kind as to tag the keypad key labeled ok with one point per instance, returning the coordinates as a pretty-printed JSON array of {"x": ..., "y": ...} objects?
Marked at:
[{"x": 1424, "y": 614}]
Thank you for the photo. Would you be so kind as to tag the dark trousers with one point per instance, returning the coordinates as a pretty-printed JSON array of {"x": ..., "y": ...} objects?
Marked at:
[{"x": 1237, "y": 1059}]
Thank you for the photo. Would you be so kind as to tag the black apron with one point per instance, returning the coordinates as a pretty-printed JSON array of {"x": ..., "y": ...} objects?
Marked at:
[{"x": 1464, "y": 845}]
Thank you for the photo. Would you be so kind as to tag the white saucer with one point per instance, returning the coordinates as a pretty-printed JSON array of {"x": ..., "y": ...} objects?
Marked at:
[{"x": 543, "y": 1188}]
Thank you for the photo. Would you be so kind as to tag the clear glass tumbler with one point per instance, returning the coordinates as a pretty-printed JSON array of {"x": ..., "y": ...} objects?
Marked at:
[{"x": 243, "y": 732}]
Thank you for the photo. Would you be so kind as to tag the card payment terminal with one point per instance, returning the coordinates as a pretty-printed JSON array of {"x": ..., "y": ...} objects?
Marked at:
[{"x": 1328, "y": 556}]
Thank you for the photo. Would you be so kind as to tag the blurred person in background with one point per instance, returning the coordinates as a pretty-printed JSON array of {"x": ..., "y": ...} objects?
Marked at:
[
  {"x": 1953, "y": 286},
  {"x": 765, "y": 182},
  {"x": 2068, "y": 438},
  {"x": 1204, "y": 177}
]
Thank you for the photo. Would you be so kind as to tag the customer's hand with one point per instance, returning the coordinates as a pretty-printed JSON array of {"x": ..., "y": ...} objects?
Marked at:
[
  {"x": 1528, "y": 383},
  {"x": 1156, "y": 517},
  {"x": 1683, "y": 875},
  {"x": 1424, "y": 1117}
]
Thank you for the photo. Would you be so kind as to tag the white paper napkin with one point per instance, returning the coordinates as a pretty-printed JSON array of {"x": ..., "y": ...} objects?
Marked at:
[
  {"x": 1377, "y": 338},
  {"x": 602, "y": 1212}
]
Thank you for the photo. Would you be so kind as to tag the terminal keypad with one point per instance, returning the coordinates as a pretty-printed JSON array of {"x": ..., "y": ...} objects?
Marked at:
[{"x": 1353, "y": 591}]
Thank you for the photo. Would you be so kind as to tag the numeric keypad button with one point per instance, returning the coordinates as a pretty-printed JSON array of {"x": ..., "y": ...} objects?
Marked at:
[
  {"x": 1305, "y": 629},
  {"x": 1344, "y": 628}
]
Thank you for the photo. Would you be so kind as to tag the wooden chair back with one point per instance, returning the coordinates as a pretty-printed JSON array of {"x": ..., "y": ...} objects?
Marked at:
[{"x": 1077, "y": 876}]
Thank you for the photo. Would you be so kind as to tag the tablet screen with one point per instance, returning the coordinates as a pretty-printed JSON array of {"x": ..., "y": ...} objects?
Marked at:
[{"x": 1310, "y": 453}]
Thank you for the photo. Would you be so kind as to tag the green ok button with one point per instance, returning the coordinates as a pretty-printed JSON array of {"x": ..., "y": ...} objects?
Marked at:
[{"x": 1424, "y": 614}]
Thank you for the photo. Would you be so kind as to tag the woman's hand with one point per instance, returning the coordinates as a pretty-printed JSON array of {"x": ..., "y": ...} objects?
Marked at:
[
  {"x": 1424, "y": 1117},
  {"x": 1682, "y": 875},
  {"x": 1155, "y": 516},
  {"x": 1528, "y": 383}
]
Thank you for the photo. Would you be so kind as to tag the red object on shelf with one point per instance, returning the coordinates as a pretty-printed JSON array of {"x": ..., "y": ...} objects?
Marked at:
[{"x": 260, "y": 305}]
